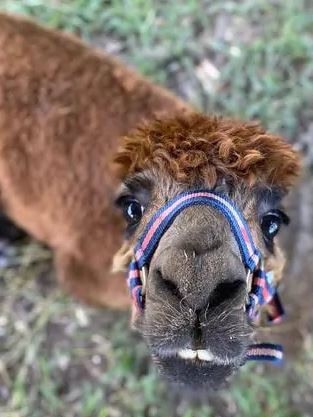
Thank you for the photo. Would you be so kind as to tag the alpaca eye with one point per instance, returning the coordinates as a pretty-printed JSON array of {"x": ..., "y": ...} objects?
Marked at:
[
  {"x": 271, "y": 223},
  {"x": 133, "y": 211},
  {"x": 270, "y": 226}
]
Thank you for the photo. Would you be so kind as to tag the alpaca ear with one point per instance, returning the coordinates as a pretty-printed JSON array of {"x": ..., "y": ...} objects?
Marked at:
[{"x": 122, "y": 258}]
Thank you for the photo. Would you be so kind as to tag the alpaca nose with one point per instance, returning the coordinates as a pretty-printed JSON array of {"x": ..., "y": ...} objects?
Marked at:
[
  {"x": 205, "y": 292},
  {"x": 201, "y": 276},
  {"x": 200, "y": 264}
]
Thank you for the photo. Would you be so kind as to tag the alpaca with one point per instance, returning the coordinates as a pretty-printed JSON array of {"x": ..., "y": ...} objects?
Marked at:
[{"x": 78, "y": 132}]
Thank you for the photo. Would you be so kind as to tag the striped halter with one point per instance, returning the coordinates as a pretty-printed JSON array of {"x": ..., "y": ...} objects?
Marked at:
[{"x": 260, "y": 283}]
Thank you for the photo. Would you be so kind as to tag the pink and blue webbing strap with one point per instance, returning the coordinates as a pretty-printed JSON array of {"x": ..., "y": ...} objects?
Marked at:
[
  {"x": 269, "y": 352},
  {"x": 163, "y": 219},
  {"x": 165, "y": 216}
]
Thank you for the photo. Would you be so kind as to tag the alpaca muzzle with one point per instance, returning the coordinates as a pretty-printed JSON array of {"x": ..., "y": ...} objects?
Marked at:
[{"x": 260, "y": 283}]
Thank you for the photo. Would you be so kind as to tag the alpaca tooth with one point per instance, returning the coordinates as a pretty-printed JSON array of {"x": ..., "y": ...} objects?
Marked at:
[
  {"x": 205, "y": 355},
  {"x": 187, "y": 353}
]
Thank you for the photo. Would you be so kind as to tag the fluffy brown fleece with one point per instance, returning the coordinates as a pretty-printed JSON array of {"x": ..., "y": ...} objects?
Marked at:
[
  {"x": 63, "y": 107},
  {"x": 198, "y": 147}
]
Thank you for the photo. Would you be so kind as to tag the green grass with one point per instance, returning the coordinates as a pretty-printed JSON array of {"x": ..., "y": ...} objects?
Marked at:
[{"x": 249, "y": 58}]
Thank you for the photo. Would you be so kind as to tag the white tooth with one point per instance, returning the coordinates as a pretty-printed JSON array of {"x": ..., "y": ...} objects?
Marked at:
[
  {"x": 205, "y": 355},
  {"x": 187, "y": 353}
]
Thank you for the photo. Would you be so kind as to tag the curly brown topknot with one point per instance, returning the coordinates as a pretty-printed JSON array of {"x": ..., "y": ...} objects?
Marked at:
[{"x": 198, "y": 147}]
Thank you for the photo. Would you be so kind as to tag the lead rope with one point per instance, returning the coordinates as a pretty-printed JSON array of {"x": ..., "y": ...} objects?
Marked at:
[{"x": 263, "y": 290}]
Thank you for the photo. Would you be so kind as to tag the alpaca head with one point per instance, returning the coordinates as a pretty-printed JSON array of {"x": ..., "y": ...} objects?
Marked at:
[{"x": 194, "y": 319}]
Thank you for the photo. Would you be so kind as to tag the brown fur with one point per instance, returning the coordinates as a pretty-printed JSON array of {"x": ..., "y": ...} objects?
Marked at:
[
  {"x": 63, "y": 107},
  {"x": 201, "y": 147}
]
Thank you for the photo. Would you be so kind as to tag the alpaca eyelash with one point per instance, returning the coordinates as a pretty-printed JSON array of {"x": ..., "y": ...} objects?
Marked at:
[
  {"x": 279, "y": 212},
  {"x": 121, "y": 199},
  {"x": 125, "y": 199},
  {"x": 285, "y": 218}
]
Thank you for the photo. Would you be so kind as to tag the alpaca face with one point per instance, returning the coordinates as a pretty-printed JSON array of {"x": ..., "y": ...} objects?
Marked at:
[{"x": 194, "y": 319}]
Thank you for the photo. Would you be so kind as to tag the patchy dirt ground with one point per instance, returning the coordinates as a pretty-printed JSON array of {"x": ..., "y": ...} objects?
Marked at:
[{"x": 249, "y": 58}]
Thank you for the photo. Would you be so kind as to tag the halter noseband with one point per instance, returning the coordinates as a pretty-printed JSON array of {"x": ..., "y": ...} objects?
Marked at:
[{"x": 263, "y": 290}]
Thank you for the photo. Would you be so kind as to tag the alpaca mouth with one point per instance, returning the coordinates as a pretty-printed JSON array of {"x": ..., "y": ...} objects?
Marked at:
[
  {"x": 200, "y": 357},
  {"x": 196, "y": 369},
  {"x": 201, "y": 354},
  {"x": 204, "y": 356}
]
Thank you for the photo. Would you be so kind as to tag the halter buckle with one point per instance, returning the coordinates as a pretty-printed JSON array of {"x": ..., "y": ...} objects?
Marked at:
[
  {"x": 144, "y": 276},
  {"x": 249, "y": 280}
]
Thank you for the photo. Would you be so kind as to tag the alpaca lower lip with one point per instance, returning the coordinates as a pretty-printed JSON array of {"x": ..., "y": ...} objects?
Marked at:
[{"x": 194, "y": 373}]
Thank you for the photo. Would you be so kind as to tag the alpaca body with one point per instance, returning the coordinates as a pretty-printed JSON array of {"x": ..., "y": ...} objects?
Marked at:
[{"x": 63, "y": 107}]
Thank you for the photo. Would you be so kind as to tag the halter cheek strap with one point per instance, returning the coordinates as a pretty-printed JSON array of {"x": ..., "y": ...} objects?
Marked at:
[{"x": 263, "y": 290}]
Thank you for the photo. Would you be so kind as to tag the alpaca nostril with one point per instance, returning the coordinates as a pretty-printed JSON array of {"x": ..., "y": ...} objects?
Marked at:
[
  {"x": 228, "y": 291},
  {"x": 172, "y": 288},
  {"x": 168, "y": 286}
]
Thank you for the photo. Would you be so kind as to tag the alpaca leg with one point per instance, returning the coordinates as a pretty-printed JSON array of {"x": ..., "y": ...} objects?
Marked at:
[{"x": 95, "y": 287}]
